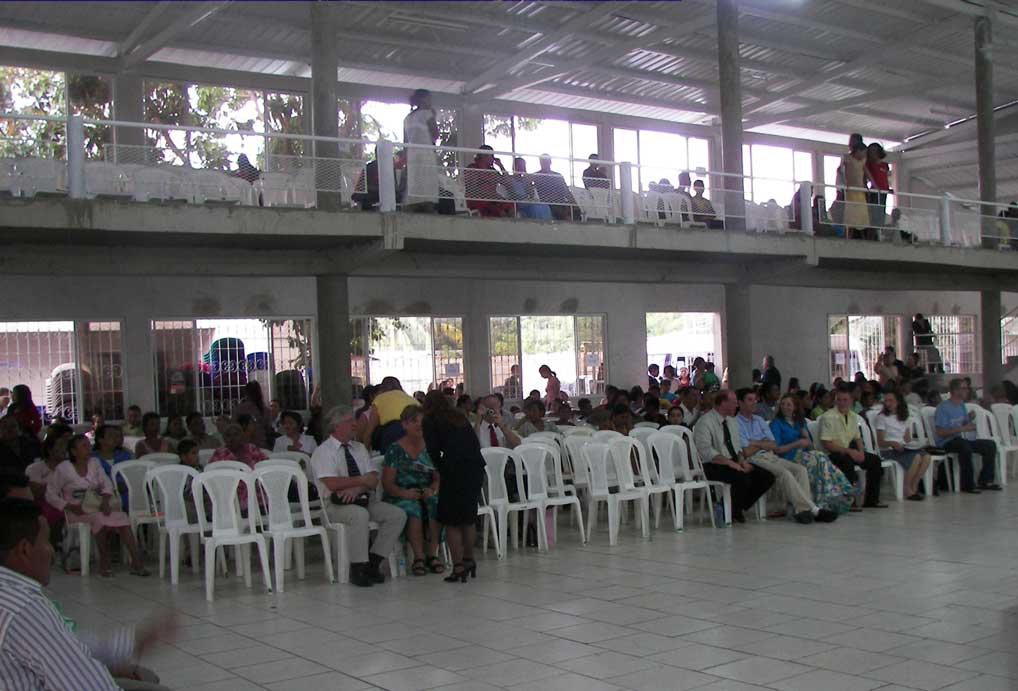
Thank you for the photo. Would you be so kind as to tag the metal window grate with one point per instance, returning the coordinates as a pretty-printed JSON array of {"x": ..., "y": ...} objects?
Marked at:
[
  {"x": 954, "y": 344},
  {"x": 856, "y": 341}
]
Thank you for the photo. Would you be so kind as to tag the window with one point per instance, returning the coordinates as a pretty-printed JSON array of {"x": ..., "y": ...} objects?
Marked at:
[
  {"x": 560, "y": 139},
  {"x": 661, "y": 155},
  {"x": 422, "y": 352},
  {"x": 73, "y": 368},
  {"x": 831, "y": 165},
  {"x": 856, "y": 341},
  {"x": 24, "y": 90},
  {"x": 955, "y": 342},
  {"x": 678, "y": 338},
  {"x": 204, "y": 364},
  {"x": 573, "y": 347}
]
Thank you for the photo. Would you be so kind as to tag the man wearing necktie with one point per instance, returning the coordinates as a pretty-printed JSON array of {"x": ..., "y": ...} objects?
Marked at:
[
  {"x": 493, "y": 428},
  {"x": 716, "y": 436},
  {"x": 347, "y": 484}
]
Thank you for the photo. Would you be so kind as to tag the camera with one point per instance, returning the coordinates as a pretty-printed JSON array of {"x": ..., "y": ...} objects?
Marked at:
[{"x": 490, "y": 412}]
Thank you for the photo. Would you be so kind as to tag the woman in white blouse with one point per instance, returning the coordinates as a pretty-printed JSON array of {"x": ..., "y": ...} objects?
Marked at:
[
  {"x": 894, "y": 437},
  {"x": 293, "y": 438}
]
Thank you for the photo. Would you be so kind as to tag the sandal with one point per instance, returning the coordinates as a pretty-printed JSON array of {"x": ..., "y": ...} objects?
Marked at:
[
  {"x": 417, "y": 568},
  {"x": 435, "y": 565}
]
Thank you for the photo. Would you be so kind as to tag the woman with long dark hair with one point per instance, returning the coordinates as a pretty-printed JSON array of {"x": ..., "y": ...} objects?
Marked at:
[
  {"x": 253, "y": 404},
  {"x": 894, "y": 437},
  {"x": 23, "y": 409},
  {"x": 455, "y": 450},
  {"x": 554, "y": 387},
  {"x": 829, "y": 486}
]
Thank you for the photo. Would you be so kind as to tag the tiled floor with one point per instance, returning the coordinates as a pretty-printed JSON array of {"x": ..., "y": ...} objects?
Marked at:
[{"x": 917, "y": 596}]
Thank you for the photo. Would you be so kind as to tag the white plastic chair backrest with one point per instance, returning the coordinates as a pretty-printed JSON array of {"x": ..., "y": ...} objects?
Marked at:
[
  {"x": 647, "y": 425},
  {"x": 495, "y": 460},
  {"x": 220, "y": 486},
  {"x": 167, "y": 484},
  {"x": 596, "y": 458},
  {"x": 546, "y": 436},
  {"x": 605, "y": 436},
  {"x": 574, "y": 453},
  {"x": 579, "y": 430},
  {"x": 1002, "y": 412},
  {"x": 642, "y": 434},
  {"x": 664, "y": 447},
  {"x": 204, "y": 456},
  {"x": 813, "y": 427},
  {"x": 275, "y": 481},
  {"x": 917, "y": 429},
  {"x": 871, "y": 417},
  {"x": 160, "y": 458},
  {"x": 622, "y": 453},
  {"x": 984, "y": 428},
  {"x": 536, "y": 458},
  {"x": 133, "y": 473},
  {"x": 929, "y": 414},
  {"x": 131, "y": 442},
  {"x": 229, "y": 465},
  {"x": 555, "y": 478},
  {"x": 278, "y": 463},
  {"x": 867, "y": 437},
  {"x": 299, "y": 456},
  {"x": 672, "y": 429},
  {"x": 1014, "y": 424}
]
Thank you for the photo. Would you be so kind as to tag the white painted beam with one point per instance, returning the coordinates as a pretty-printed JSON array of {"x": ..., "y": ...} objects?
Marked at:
[{"x": 149, "y": 47}]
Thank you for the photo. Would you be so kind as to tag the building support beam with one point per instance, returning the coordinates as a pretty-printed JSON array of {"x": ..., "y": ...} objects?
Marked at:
[
  {"x": 137, "y": 349},
  {"x": 332, "y": 361},
  {"x": 986, "y": 127},
  {"x": 990, "y": 312},
  {"x": 731, "y": 111},
  {"x": 128, "y": 106},
  {"x": 738, "y": 335},
  {"x": 324, "y": 98}
]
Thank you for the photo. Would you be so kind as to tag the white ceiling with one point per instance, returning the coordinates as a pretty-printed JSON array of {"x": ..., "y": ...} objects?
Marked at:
[{"x": 891, "y": 69}]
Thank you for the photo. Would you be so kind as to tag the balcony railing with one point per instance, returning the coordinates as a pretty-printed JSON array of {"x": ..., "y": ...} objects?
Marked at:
[{"x": 199, "y": 165}]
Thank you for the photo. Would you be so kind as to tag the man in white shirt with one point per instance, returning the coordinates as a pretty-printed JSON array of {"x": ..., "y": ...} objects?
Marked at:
[
  {"x": 689, "y": 401},
  {"x": 495, "y": 428},
  {"x": 347, "y": 483},
  {"x": 38, "y": 650}
]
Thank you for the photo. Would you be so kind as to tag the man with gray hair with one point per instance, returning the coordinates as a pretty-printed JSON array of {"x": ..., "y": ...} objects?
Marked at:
[{"x": 347, "y": 483}]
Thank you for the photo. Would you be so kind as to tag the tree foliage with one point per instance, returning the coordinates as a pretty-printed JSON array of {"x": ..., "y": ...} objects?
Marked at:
[{"x": 35, "y": 92}]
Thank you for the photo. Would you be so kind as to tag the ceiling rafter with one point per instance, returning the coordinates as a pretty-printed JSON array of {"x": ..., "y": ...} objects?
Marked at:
[
  {"x": 134, "y": 38},
  {"x": 146, "y": 48}
]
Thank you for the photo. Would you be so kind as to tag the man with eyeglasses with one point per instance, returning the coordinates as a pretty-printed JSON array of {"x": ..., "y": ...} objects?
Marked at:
[{"x": 956, "y": 433}]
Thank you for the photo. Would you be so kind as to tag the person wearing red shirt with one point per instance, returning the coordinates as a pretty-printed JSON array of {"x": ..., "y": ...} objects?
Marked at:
[
  {"x": 481, "y": 179},
  {"x": 880, "y": 171}
]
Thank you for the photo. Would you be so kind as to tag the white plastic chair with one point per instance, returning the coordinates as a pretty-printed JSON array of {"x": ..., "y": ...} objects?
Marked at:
[
  {"x": 987, "y": 427},
  {"x": 675, "y": 472},
  {"x": 673, "y": 429},
  {"x": 160, "y": 458},
  {"x": 342, "y": 558},
  {"x": 573, "y": 458},
  {"x": 167, "y": 484},
  {"x": 228, "y": 465},
  {"x": 496, "y": 459},
  {"x": 629, "y": 450},
  {"x": 605, "y": 436},
  {"x": 275, "y": 477},
  {"x": 642, "y": 434},
  {"x": 929, "y": 414},
  {"x": 597, "y": 457},
  {"x": 869, "y": 439},
  {"x": 205, "y": 456},
  {"x": 577, "y": 431},
  {"x": 226, "y": 526},
  {"x": 918, "y": 430},
  {"x": 544, "y": 471},
  {"x": 139, "y": 505},
  {"x": 647, "y": 425}
]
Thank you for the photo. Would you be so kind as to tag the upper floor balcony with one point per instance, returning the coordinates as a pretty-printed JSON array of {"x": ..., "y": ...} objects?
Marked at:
[{"x": 307, "y": 192}]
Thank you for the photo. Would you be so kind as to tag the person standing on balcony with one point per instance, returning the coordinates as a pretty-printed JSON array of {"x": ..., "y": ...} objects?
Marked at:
[
  {"x": 853, "y": 167},
  {"x": 880, "y": 173},
  {"x": 420, "y": 127}
]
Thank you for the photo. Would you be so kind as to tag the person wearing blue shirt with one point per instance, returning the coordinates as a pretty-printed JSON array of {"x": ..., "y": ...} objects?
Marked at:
[
  {"x": 956, "y": 433},
  {"x": 758, "y": 446}
]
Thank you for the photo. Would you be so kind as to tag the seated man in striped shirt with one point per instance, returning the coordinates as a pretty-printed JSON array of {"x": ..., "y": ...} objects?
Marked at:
[{"x": 38, "y": 647}]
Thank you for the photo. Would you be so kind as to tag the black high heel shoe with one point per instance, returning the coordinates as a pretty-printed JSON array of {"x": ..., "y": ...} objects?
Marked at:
[
  {"x": 459, "y": 573},
  {"x": 470, "y": 566}
]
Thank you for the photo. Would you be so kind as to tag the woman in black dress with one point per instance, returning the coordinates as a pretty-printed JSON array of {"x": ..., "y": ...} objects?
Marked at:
[{"x": 456, "y": 452}]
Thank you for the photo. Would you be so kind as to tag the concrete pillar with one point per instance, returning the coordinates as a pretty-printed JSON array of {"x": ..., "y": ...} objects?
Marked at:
[
  {"x": 737, "y": 335},
  {"x": 139, "y": 375},
  {"x": 332, "y": 361},
  {"x": 324, "y": 102},
  {"x": 626, "y": 339},
  {"x": 129, "y": 105},
  {"x": 476, "y": 349},
  {"x": 471, "y": 127},
  {"x": 985, "y": 124},
  {"x": 731, "y": 112},
  {"x": 990, "y": 311}
]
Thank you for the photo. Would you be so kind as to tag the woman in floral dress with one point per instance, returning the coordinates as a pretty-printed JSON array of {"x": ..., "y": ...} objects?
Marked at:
[
  {"x": 410, "y": 481},
  {"x": 830, "y": 488}
]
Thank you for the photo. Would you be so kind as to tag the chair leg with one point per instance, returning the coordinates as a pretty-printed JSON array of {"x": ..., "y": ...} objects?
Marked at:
[
  {"x": 484, "y": 533},
  {"x": 279, "y": 560},
  {"x": 192, "y": 539},
  {"x": 503, "y": 528},
  {"x": 162, "y": 556},
  {"x": 644, "y": 506},
  {"x": 342, "y": 560},
  {"x": 679, "y": 508},
  {"x": 577, "y": 512},
  {"x": 174, "y": 558},
  {"x": 298, "y": 549},
  {"x": 542, "y": 530},
  {"x": 263, "y": 554},
  {"x": 210, "y": 569},
  {"x": 614, "y": 521},
  {"x": 244, "y": 553},
  {"x": 327, "y": 553},
  {"x": 591, "y": 516},
  {"x": 85, "y": 547},
  {"x": 726, "y": 493}
]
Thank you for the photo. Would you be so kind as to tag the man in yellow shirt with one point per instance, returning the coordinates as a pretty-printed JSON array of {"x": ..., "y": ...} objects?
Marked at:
[
  {"x": 382, "y": 427},
  {"x": 840, "y": 436}
]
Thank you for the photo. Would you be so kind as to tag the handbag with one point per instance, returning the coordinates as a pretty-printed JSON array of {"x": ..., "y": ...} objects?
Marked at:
[
  {"x": 92, "y": 502},
  {"x": 362, "y": 500}
]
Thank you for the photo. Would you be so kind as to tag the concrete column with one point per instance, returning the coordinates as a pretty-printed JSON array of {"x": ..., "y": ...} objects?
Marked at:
[
  {"x": 471, "y": 127},
  {"x": 731, "y": 112},
  {"x": 129, "y": 105},
  {"x": 990, "y": 311},
  {"x": 139, "y": 375},
  {"x": 476, "y": 349},
  {"x": 332, "y": 361},
  {"x": 324, "y": 102},
  {"x": 737, "y": 335},
  {"x": 985, "y": 124},
  {"x": 626, "y": 340}
]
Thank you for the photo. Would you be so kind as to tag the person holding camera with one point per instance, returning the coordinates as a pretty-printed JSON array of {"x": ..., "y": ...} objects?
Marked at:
[
  {"x": 493, "y": 427},
  {"x": 344, "y": 473}
]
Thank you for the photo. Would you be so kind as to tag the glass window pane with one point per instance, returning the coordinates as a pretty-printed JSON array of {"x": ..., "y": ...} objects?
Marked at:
[
  {"x": 176, "y": 367},
  {"x": 292, "y": 363},
  {"x": 232, "y": 352},
  {"x": 774, "y": 164},
  {"x": 678, "y": 338},
  {"x": 584, "y": 143},
  {"x": 25, "y": 90},
  {"x": 954, "y": 345},
  {"x": 498, "y": 132},
  {"x": 402, "y": 347},
  {"x": 831, "y": 165},
  {"x": 541, "y": 136},
  {"x": 803, "y": 166},
  {"x": 747, "y": 171},
  {"x": 837, "y": 328},
  {"x": 662, "y": 156},
  {"x": 100, "y": 358},
  {"x": 699, "y": 157},
  {"x": 626, "y": 144},
  {"x": 41, "y": 356},
  {"x": 383, "y": 120},
  {"x": 504, "y": 347},
  {"x": 448, "y": 340},
  {"x": 548, "y": 341},
  {"x": 590, "y": 374},
  {"x": 359, "y": 354},
  {"x": 166, "y": 103}
]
